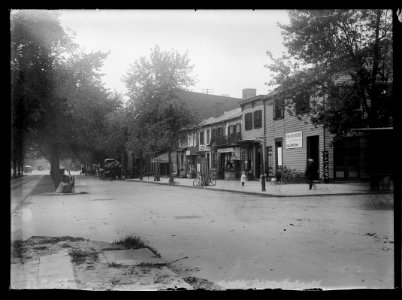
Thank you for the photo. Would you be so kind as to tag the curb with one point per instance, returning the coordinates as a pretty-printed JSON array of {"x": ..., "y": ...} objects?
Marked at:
[{"x": 259, "y": 193}]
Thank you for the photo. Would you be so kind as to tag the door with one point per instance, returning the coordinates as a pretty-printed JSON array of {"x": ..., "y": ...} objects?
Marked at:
[
  {"x": 313, "y": 152},
  {"x": 270, "y": 163},
  {"x": 258, "y": 162},
  {"x": 278, "y": 153},
  {"x": 347, "y": 158}
]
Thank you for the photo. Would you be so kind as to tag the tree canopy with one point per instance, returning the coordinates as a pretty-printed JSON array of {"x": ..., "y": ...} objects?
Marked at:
[
  {"x": 155, "y": 111},
  {"x": 58, "y": 100},
  {"x": 343, "y": 55}
]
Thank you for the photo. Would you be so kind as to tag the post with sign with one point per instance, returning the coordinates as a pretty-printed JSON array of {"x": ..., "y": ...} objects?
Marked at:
[{"x": 325, "y": 166}]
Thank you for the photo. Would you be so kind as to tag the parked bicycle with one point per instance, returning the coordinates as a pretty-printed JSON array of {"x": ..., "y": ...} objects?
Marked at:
[{"x": 208, "y": 179}]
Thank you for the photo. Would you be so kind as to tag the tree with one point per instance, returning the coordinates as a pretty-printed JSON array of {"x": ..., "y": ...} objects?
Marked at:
[
  {"x": 155, "y": 111},
  {"x": 58, "y": 100},
  {"x": 343, "y": 55},
  {"x": 113, "y": 140},
  {"x": 36, "y": 39}
]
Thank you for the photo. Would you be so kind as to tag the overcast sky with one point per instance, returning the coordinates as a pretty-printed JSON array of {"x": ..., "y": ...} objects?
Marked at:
[{"x": 227, "y": 47}]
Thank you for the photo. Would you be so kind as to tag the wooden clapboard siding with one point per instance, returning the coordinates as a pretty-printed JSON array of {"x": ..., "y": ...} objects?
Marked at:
[
  {"x": 252, "y": 134},
  {"x": 294, "y": 158}
]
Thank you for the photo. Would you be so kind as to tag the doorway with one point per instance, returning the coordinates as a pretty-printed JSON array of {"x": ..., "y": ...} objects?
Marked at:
[
  {"x": 270, "y": 163},
  {"x": 278, "y": 153},
  {"x": 257, "y": 162},
  {"x": 313, "y": 151},
  {"x": 347, "y": 158}
]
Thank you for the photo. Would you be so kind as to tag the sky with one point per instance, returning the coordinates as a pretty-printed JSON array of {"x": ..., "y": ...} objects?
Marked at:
[{"x": 227, "y": 47}]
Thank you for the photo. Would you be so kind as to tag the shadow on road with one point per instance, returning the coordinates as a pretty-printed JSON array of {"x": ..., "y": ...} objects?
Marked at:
[{"x": 45, "y": 185}]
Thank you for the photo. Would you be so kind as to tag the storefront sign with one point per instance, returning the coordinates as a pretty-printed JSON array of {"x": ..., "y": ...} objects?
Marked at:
[
  {"x": 325, "y": 166},
  {"x": 294, "y": 139},
  {"x": 204, "y": 148},
  {"x": 236, "y": 154},
  {"x": 225, "y": 150}
]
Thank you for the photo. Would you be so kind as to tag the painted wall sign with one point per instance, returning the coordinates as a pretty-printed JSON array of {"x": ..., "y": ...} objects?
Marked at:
[
  {"x": 225, "y": 150},
  {"x": 294, "y": 139}
]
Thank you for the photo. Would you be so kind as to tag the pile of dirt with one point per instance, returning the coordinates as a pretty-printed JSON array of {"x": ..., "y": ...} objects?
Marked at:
[{"x": 93, "y": 272}]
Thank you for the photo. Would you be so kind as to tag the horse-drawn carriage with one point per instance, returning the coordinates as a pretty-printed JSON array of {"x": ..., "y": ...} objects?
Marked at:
[{"x": 111, "y": 169}]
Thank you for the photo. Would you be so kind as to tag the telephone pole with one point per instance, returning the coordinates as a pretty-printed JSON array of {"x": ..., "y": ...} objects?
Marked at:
[{"x": 207, "y": 90}]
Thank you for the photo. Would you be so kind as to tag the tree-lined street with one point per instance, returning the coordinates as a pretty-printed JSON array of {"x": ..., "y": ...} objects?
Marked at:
[{"x": 232, "y": 240}]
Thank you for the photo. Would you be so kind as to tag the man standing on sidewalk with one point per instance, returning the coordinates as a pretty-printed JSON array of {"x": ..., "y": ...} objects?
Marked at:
[{"x": 310, "y": 172}]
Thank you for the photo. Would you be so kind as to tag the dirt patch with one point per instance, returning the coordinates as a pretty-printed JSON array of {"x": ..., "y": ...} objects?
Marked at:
[{"x": 93, "y": 272}]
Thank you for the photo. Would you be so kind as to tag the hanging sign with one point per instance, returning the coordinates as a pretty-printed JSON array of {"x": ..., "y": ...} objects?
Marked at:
[{"x": 294, "y": 139}]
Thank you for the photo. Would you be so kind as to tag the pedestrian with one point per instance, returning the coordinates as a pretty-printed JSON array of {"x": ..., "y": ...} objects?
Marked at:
[
  {"x": 310, "y": 172},
  {"x": 243, "y": 178}
]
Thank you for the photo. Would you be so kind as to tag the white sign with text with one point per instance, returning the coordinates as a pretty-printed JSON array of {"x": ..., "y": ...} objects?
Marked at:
[{"x": 294, "y": 139}]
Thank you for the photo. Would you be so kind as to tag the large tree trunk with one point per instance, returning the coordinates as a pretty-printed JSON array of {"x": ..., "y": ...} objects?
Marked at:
[
  {"x": 54, "y": 166},
  {"x": 171, "y": 179}
]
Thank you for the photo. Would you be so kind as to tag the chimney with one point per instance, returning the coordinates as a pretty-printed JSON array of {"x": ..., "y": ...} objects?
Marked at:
[{"x": 249, "y": 93}]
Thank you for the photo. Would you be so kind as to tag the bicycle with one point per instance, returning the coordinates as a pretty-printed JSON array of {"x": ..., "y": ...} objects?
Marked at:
[
  {"x": 212, "y": 179},
  {"x": 197, "y": 180},
  {"x": 209, "y": 179}
]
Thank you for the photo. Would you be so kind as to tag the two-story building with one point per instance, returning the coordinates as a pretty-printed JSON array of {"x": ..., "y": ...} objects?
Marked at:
[
  {"x": 224, "y": 144},
  {"x": 273, "y": 138}
]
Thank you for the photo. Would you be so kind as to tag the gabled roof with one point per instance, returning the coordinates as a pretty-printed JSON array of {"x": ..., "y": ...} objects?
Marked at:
[
  {"x": 255, "y": 98},
  {"x": 228, "y": 115}
]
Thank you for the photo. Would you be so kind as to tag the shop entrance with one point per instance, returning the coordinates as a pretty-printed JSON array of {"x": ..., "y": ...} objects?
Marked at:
[
  {"x": 258, "y": 161},
  {"x": 278, "y": 153},
  {"x": 313, "y": 152},
  {"x": 347, "y": 158},
  {"x": 270, "y": 164}
]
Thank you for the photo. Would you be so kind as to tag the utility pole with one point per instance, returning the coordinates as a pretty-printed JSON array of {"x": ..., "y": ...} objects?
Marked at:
[{"x": 207, "y": 90}]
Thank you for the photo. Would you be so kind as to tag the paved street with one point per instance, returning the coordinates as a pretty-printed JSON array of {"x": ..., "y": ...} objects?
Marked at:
[{"x": 233, "y": 240}]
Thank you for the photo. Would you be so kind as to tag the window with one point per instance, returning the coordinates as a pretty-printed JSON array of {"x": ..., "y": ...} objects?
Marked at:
[
  {"x": 248, "y": 121},
  {"x": 213, "y": 132},
  {"x": 230, "y": 129},
  {"x": 302, "y": 103},
  {"x": 220, "y": 131},
  {"x": 279, "y": 109},
  {"x": 201, "y": 137},
  {"x": 238, "y": 127},
  {"x": 258, "y": 119},
  {"x": 207, "y": 141}
]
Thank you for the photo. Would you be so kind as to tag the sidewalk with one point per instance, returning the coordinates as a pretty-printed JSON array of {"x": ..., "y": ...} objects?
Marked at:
[{"x": 273, "y": 190}]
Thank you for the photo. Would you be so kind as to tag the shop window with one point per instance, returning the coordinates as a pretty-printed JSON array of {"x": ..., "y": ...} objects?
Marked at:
[
  {"x": 257, "y": 119},
  {"x": 248, "y": 121},
  {"x": 279, "y": 109}
]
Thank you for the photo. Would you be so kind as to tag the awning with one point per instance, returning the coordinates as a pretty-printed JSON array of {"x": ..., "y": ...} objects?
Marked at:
[
  {"x": 225, "y": 150},
  {"x": 163, "y": 158}
]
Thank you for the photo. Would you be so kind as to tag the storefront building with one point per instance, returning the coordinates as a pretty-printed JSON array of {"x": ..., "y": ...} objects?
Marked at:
[{"x": 223, "y": 151}]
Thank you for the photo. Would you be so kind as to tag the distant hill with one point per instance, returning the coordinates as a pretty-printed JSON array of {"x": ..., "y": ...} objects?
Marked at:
[{"x": 208, "y": 105}]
